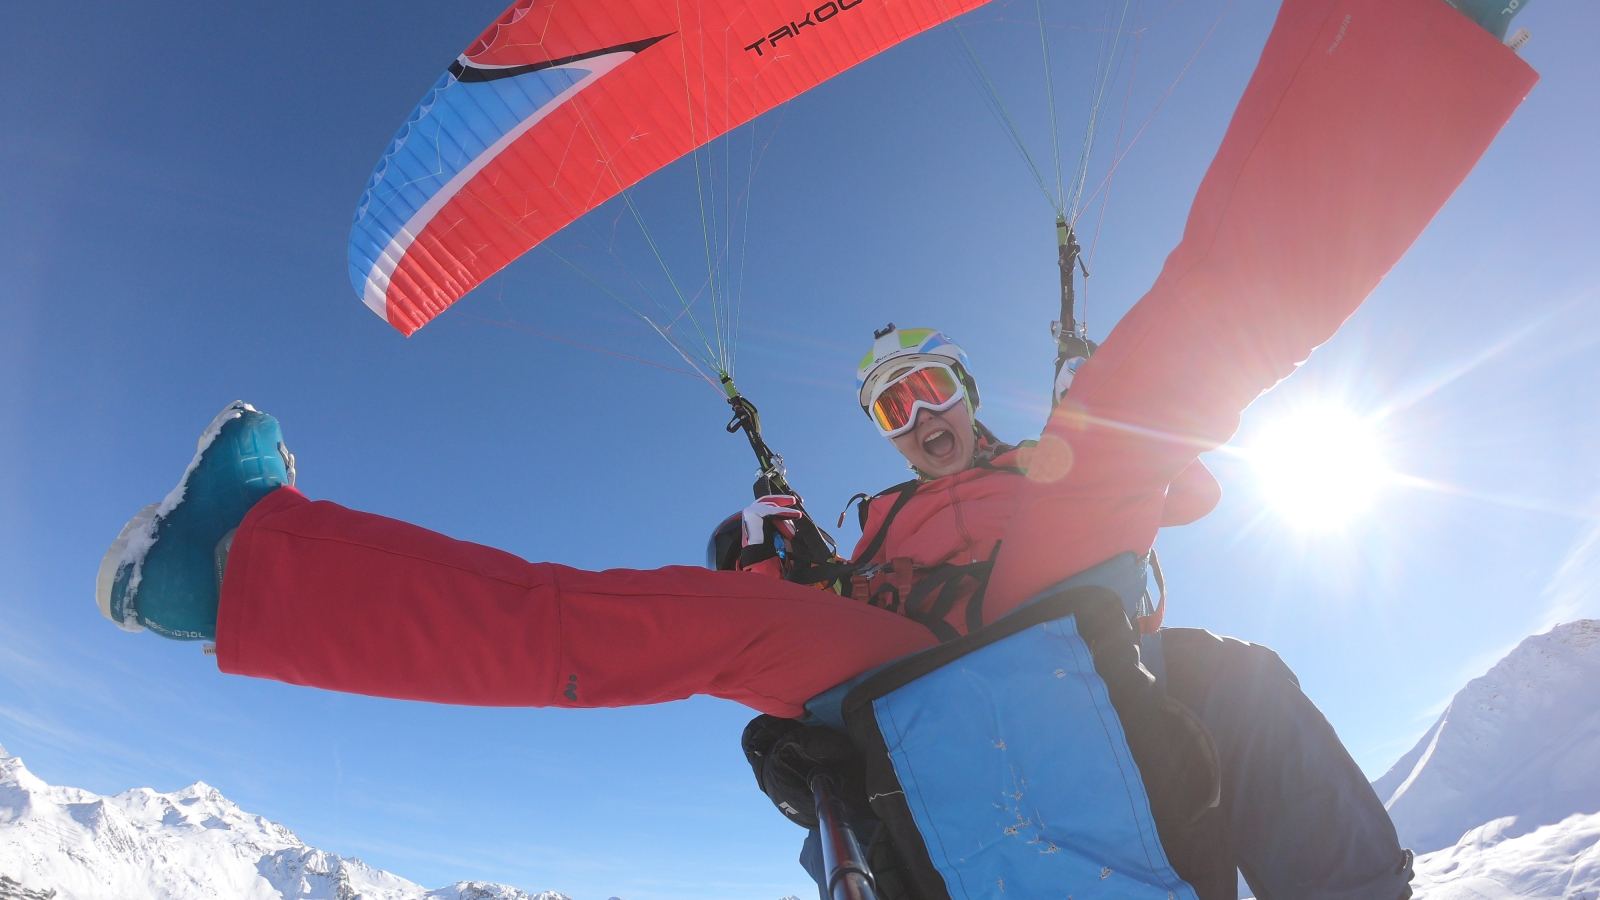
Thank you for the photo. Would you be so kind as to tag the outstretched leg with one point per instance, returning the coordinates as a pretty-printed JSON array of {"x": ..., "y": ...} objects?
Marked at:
[
  {"x": 1305, "y": 822},
  {"x": 321, "y": 595}
]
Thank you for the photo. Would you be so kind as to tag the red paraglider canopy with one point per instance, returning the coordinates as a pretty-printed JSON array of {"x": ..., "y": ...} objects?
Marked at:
[{"x": 560, "y": 105}]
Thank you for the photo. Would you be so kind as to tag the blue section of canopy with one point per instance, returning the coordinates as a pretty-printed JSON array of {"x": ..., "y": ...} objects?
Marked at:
[
  {"x": 455, "y": 124},
  {"x": 1018, "y": 775}
]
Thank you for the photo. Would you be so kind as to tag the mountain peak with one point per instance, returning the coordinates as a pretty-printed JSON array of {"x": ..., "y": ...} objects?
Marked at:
[
  {"x": 186, "y": 845},
  {"x": 1520, "y": 742}
]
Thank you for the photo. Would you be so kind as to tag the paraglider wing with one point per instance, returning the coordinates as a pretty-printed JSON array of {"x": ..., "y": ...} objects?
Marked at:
[{"x": 561, "y": 104}]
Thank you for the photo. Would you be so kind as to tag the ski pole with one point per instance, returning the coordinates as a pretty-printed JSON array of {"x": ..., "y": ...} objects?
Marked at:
[{"x": 849, "y": 877}]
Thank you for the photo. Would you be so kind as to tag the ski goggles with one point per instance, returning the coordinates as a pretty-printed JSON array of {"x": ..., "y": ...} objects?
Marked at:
[{"x": 932, "y": 386}]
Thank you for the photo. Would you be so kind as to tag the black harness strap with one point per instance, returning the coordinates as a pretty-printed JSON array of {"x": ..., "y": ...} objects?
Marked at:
[
  {"x": 861, "y": 510},
  {"x": 946, "y": 579},
  {"x": 886, "y": 597},
  {"x": 975, "y": 602},
  {"x": 907, "y": 489},
  {"x": 825, "y": 572}
]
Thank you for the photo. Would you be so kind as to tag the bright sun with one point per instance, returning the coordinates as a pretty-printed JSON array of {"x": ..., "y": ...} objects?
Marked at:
[{"x": 1319, "y": 467}]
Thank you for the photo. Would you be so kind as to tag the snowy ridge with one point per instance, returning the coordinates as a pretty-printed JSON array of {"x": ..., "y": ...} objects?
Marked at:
[
  {"x": 1521, "y": 743},
  {"x": 186, "y": 845}
]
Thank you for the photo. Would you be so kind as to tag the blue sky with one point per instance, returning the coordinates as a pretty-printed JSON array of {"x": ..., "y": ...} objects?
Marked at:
[{"x": 176, "y": 185}]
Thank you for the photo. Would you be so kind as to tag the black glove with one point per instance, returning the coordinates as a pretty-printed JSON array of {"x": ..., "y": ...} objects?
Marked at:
[{"x": 784, "y": 754}]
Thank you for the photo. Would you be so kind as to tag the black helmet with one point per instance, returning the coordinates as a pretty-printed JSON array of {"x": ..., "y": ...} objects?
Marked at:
[{"x": 722, "y": 551}]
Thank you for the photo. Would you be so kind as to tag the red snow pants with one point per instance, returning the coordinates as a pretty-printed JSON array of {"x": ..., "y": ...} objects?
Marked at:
[
  {"x": 1360, "y": 120},
  {"x": 320, "y": 595}
]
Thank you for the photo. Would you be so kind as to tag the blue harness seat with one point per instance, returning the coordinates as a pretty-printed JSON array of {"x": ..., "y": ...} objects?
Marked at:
[
  {"x": 1007, "y": 763},
  {"x": 1047, "y": 755}
]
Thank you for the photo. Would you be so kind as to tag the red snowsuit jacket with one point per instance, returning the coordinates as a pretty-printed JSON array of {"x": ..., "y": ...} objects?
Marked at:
[{"x": 1360, "y": 120}]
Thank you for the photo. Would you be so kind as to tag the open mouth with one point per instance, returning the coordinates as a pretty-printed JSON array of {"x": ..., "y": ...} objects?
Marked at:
[{"x": 939, "y": 443}]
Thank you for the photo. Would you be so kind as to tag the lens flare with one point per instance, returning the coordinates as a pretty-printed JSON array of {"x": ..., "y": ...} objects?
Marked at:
[{"x": 1319, "y": 468}]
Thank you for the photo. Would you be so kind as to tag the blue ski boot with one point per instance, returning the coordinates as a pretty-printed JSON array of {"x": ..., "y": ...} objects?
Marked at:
[
  {"x": 164, "y": 571},
  {"x": 1494, "y": 15}
]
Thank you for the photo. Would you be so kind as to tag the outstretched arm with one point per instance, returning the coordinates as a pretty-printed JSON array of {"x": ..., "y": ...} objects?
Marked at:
[
  {"x": 1361, "y": 119},
  {"x": 320, "y": 595}
]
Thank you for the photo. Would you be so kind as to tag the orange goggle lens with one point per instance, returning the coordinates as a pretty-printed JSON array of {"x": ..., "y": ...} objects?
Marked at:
[{"x": 934, "y": 387}]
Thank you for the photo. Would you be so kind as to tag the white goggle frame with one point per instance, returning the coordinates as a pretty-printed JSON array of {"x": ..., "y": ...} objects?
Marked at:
[{"x": 919, "y": 405}]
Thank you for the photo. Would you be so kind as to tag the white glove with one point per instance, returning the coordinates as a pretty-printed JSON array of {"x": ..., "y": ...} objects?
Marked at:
[{"x": 779, "y": 507}]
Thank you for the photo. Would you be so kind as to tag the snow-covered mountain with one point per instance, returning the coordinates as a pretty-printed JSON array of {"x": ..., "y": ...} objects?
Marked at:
[
  {"x": 1501, "y": 797},
  {"x": 186, "y": 845},
  {"x": 1521, "y": 741}
]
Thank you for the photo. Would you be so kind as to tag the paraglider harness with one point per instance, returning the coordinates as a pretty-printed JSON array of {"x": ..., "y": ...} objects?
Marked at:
[
  {"x": 1126, "y": 809},
  {"x": 924, "y": 594},
  {"x": 810, "y": 556}
]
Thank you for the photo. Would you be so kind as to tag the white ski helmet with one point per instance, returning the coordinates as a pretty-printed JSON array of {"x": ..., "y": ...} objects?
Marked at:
[{"x": 896, "y": 349}]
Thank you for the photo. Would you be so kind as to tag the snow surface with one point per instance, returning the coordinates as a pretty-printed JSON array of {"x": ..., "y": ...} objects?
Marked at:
[
  {"x": 1555, "y": 862},
  {"x": 186, "y": 845},
  {"x": 1519, "y": 747},
  {"x": 10, "y": 890}
]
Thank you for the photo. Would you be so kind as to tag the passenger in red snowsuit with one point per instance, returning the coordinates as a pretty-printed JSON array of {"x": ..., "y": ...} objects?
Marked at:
[{"x": 1361, "y": 118}]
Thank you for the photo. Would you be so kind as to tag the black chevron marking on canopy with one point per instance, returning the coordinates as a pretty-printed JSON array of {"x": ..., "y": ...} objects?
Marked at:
[{"x": 470, "y": 73}]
